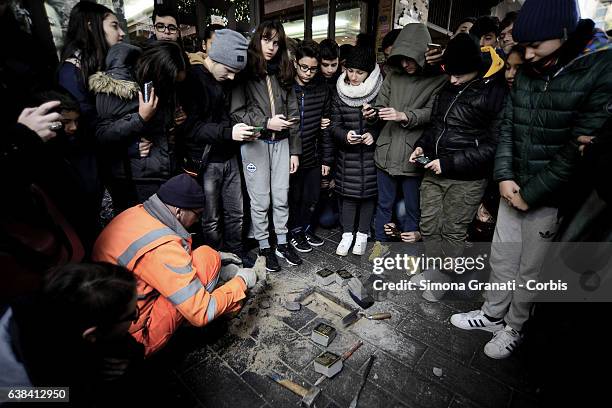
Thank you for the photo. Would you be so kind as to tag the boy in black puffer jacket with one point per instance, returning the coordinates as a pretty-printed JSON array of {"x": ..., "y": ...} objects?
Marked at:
[
  {"x": 305, "y": 184},
  {"x": 460, "y": 146}
]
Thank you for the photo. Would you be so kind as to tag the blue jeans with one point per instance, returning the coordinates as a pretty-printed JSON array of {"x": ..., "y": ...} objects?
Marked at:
[{"x": 387, "y": 194}]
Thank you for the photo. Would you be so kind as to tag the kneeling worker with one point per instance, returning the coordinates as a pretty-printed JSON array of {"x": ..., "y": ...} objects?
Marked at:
[{"x": 174, "y": 282}]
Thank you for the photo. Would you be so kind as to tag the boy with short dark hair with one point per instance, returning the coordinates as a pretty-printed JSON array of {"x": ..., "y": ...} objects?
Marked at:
[
  {"x": 330, "y": 61},
  {"x": 305, "y": 185},
  {"x": 165, "y": 24},
  {"x": 486, "y": 30}
]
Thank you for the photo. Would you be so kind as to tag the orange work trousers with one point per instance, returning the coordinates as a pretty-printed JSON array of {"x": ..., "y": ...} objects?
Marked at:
[{"x": 159, "y": 318}]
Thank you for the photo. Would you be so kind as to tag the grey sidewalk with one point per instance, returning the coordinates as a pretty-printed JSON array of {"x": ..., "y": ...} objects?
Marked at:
[{"x": 224, "y": 365}]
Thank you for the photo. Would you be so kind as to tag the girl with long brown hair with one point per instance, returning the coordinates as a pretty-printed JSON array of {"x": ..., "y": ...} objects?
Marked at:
[{"x": 265, "y": 99}]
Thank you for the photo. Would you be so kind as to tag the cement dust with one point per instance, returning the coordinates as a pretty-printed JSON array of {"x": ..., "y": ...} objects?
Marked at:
[{"x": 263, "y": 324}]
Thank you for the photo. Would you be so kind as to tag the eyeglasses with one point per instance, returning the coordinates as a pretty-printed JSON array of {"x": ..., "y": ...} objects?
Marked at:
[
  {"x": 306, "y": 68},
  {"x": 161, "y": 27}
]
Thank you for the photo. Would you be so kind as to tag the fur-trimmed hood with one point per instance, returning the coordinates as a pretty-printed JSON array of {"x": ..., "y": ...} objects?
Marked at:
[
  {"x": 101, "y": 82},
  {"x": 117, "y": 79}
]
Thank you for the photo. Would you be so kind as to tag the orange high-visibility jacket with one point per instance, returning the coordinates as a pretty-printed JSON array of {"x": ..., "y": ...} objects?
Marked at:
[{"x": 162, "y": 262}]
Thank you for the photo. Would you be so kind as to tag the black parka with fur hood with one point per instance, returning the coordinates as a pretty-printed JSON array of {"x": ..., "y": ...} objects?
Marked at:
[{"x": 120, "y": 128}]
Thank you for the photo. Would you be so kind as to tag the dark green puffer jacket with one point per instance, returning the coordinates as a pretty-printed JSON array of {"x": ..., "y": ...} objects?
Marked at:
[{"x": 544, "y": 116}]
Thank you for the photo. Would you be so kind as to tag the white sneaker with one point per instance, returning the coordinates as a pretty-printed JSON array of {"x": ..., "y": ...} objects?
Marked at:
[
  {"x": 345, "y": 244},
  {"x": 503, "y": 343},
  {"x": 361, "y": 242},
  {"x": 476, "y": 320}
]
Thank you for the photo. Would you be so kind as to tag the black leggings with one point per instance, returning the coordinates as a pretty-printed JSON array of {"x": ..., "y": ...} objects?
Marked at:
[{"x": 353, "y": 208}]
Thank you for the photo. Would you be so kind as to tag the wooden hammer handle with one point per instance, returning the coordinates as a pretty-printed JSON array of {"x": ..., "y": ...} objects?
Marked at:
[
  {"x": 353, "y": 349},
  {"x": 380, "y": 316},
  {"x": 290, "y": 385}
]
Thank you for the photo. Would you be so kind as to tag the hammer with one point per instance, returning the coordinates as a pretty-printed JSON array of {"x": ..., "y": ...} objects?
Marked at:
[{"x": 308, "y": 396}]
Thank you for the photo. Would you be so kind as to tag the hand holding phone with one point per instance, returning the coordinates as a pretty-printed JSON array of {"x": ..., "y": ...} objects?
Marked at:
[
  {"x": 433, "y": 46},
  {"x": 294, "y": 120},
  {"x": 392, "y": 230},
  {"x": 353, "y": 138},
  {"x": 422, "y": 160},
  {"x": 368, "y": 111},
  {"x": 147, "y": 102}
]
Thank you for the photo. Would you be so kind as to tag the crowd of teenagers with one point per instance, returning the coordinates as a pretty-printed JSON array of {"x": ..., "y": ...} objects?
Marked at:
[{"x": 137, "y": 179}]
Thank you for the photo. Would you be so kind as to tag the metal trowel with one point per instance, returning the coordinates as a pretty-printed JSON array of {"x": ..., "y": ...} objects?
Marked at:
[{"x": 357, "y": 314}]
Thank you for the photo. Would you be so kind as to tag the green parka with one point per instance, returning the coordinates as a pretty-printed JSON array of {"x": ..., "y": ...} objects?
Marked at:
[
  {"x": 411, "y": 94},
  {"x": 544, "y": 116}
]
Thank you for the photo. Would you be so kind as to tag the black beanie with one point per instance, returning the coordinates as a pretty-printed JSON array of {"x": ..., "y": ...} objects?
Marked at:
[
  {"x": 361, "y": 58},
  {"x": 182, "y": 191},
  {"x": 462, "y": 55},
  {"x": 541, "y": 20}
]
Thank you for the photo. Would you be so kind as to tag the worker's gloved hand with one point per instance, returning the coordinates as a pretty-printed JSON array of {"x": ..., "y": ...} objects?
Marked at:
[
  {"x": 260, "y": 268},
  {"x": 228, "y": 257},
  {"x": 249, "y": 276},
  {"x": 228, "y": 271}
]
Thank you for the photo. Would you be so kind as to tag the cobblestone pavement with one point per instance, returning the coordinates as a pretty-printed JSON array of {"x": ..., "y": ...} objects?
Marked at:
[{"x": 421, "y": 359}]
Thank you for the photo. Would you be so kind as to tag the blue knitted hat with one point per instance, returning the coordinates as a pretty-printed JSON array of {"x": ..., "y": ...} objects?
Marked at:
[{"x": 540, "y": 20}]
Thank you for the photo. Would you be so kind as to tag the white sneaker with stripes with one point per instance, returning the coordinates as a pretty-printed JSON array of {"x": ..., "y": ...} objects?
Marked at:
[
  {"x": 476, "y": 320},
  {"x": 503, "y": 343}
]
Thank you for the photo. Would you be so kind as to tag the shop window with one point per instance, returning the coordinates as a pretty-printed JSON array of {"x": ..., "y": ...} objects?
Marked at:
[{"x": 348, "y": 20}]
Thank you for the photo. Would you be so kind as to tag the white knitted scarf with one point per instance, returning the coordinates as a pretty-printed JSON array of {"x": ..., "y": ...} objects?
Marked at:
[{"x": 363, "y": 93}]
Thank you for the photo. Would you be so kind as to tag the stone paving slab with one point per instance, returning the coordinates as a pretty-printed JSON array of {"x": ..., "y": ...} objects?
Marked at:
[
  {"x": 224, "y": 365},
  {"x": 509, "y": 371},
  {"x": 411, "y": 388},
  {"x": 402, "y": 347},
  {"x": 215, "y": 385},
  {"x": 458, "y": 344},
  {"x": 520, "y": 400},
  {"x": 470, "y": 383},
  {"x": 461, "y": 402}
]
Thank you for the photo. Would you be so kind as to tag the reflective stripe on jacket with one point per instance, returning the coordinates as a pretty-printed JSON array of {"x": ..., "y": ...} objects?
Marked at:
[{"x": 162, "y": 262}]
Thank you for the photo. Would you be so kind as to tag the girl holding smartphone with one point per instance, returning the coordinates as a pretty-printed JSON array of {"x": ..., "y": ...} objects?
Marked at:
[{"x": 350, "y": 146}]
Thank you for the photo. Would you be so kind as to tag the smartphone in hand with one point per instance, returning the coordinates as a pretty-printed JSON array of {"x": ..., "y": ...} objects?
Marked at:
[
  {"x": 147, "y": 91},
  {"x": 355, "y": 136},
  {"x": 422, "y": 160},
  {"x": 433, "y": 46},
  {"x": 394, "y": 231}
]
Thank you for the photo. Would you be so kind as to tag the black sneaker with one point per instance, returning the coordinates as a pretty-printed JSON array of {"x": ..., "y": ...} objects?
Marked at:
[
  {"x": 248, "y": 259},
  {"x": 286, "y": 252},
  {"x": 272, "y": 264},
  {"x": 313, "y": 240},
  {"x": 298, "y": 241}
]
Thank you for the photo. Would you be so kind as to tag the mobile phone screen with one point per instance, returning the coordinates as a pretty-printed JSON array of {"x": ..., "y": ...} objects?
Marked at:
[{"x": 147, "y": 91}]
